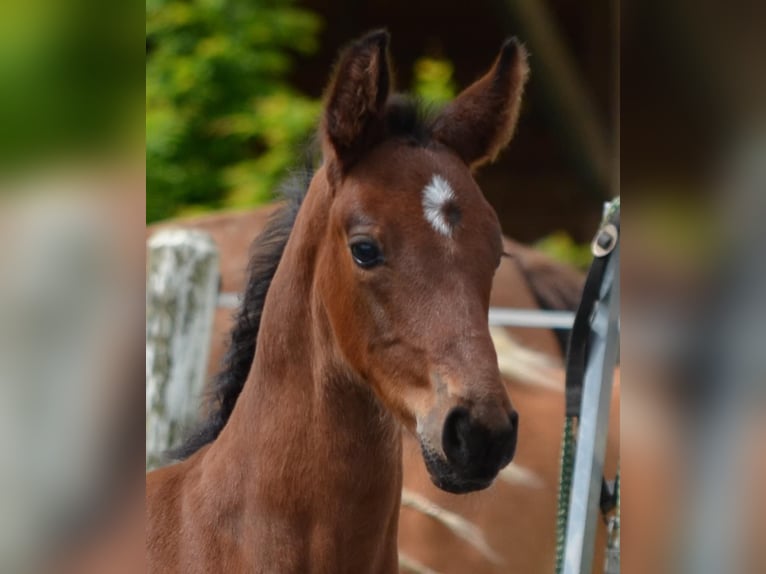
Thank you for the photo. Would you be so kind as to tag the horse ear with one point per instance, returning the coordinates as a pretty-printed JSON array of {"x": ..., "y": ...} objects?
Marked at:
[
  {"x": 481, "y": 120},
  {"x": 356, "y": 99}
]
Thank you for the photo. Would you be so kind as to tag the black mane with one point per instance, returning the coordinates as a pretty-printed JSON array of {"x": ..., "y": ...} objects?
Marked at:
[
  {"x": 405, "y": 118},
  {"x": 409, "y": 118},
  {"x": 266, "y": 252}
]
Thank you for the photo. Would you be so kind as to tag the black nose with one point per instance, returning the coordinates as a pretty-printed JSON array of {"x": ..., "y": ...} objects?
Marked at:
[{"x": 475, "y": 451}]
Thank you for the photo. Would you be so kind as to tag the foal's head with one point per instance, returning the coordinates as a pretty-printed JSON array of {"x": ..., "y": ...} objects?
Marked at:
[{"x": 405, "y": 269}]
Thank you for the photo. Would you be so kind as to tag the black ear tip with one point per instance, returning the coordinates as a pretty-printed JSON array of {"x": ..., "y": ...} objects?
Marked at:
[
  {"x": 379, "y": 37},
  {"x": 511, "y": 46},
  {"x": 513, "y": 51}
]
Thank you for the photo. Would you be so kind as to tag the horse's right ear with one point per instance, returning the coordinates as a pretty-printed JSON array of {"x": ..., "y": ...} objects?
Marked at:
[{"x": 355, "y": 101}]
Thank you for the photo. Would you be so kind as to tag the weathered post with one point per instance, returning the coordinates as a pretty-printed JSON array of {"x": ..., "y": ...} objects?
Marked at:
[{"x": 181, "y": 295}]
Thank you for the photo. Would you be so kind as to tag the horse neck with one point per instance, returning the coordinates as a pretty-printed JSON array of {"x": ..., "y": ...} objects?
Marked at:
[{"x": 319, "y": 457}]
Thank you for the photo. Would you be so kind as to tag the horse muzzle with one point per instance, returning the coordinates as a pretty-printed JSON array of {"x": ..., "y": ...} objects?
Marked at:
[{"x": 471, "y": 453}]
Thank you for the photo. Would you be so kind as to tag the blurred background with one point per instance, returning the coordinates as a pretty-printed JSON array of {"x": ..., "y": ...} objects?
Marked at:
[{"x": 233, "y": 93}]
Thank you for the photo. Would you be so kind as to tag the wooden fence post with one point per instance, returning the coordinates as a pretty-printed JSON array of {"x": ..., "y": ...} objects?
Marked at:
[{"x": 181, "y": 295}]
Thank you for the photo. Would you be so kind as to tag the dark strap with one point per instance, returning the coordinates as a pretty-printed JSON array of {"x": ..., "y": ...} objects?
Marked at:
[{"x": 579, "y": 339}]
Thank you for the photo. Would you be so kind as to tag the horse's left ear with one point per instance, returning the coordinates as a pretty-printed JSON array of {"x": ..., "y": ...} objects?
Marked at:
[
  {"x": 356, "y": 100},
  {"x": 481, "y": 120}
]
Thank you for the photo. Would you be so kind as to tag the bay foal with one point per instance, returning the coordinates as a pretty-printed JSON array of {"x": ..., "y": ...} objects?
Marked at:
[{"x": 372, "y": 302}]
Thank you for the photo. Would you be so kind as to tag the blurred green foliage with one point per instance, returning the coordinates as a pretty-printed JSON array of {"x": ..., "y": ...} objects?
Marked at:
[
  {"x": 223, "y": 125},
  {"x": 560, "y": 246},
  {"x": 433, "y": 81},
  {"x": 70, "y": 78},
  {"x": 222, "y": 122}
]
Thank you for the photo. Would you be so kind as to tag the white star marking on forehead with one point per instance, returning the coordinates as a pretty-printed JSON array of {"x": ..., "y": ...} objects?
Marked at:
[{"x": 436, "y": 195}]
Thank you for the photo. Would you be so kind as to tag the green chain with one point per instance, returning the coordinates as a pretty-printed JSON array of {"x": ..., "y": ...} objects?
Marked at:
[{"x": 565, "y": 487}]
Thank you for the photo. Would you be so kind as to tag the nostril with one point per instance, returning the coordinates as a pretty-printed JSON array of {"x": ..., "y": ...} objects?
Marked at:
[
  {"x": 514, "y": 420},
  {"x": 455, "y": 437},
  {"x": 474, "y": 449}
]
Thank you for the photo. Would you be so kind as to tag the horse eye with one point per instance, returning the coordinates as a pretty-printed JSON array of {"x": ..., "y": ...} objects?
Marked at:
[{"x": 366, "y": 254}]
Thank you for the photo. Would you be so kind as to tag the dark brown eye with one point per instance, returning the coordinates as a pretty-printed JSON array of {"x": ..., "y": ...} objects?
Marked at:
[{"x": 366, "y": 253}]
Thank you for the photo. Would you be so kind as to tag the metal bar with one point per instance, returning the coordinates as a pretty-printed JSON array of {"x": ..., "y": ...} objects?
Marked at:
[
  {"x": 532, "y": 318},
  {"x": 593, "y": 425},
  {"x": 498, "y": 316},
  {"x": 229, "y": 300}
]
